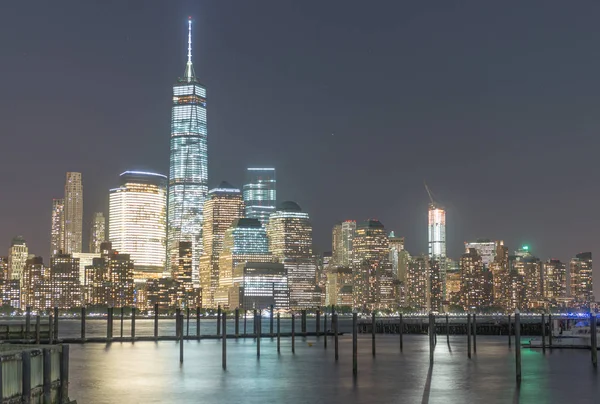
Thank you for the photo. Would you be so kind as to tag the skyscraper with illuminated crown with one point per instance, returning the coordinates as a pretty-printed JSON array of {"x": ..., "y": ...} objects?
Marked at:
[{"x": 188, "y": 175}]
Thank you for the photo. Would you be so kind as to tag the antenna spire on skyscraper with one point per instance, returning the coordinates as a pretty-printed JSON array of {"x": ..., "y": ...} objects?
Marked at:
[{"x": 189, "y": 68}]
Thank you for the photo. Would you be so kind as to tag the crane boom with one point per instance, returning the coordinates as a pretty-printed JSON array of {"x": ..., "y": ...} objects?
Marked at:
[{"x": 429, "y": 193}]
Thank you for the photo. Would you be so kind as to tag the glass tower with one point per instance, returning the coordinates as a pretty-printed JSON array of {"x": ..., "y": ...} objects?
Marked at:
[
  {"x": 260, "y": 194},
  {"x": 437, "y": 234},
  {"x": 188, "y": 178}
]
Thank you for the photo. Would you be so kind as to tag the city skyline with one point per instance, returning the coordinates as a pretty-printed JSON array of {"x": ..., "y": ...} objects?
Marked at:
[{"x": 404, "y": 216}]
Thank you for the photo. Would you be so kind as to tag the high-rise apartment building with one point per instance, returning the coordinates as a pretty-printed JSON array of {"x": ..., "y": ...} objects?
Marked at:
[
  {"x": 97, "y": 232},
  {"x": 424, "y": 289},
  {"x": 580, "y": 271},
  {"x": 186, "y": 293},
  {"x": 245, "y": 241},
  {"x": 110, "y": 279},
  {"x": 260, "y": 193},
  {"x": 73, "y": 214},
  {"x": 35, "y": 285},
  {"x": 65, "y": 289},
  {"x": 223, "y": 206},
  {"x": 555, "y": 280},
  {"x": 371, "y": 267},
  {"x": 57, "y": 226},
  {"x": 137, "y": 221},
  {"x": 476, "y": 282},
  {"x": 290, "y": 241},
  {"x": 188, "y": 169},
  {"x": 339, "y": 280},
  {"x": 342, "y": 237},
  {"x": 17, "y": 257},
  {"x": 503, "y": 285}
]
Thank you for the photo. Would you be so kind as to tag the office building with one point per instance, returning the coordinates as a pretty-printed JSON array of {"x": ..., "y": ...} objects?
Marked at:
[
  {"x": 485, "y": 248},
  {"x": 396, "y": 247},
  {"x": 338, "y": 280},
  {"x": 73, "y": 214},
  {"x": 17, "y": 257},
  {"x": 437, "y": 234},
  {"x": 260, "y": 193},
  {"x": 223, "y": 206},
  {"x": 57, "y": 226},
  {"x": 555, "y": 280},
  {"x": 188, "y": 169},
  {"x": 290, "y": 241},
  {"x": 258, "y": 285},
  {"x": 186, "y": 294},
  {"x": 35, "y": 290},
  {"x": 97, "y": 232},
  {"x": 372, "y": 270},
  {"x": 65, "y": 288},
  {"x": 85, "y": 259},
  {"x": 476, "y": 282},
  {"x": 137, "y": 220}
]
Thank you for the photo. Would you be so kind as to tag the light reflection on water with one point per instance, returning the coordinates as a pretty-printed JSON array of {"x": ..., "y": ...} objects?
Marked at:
[{"x": 147, "y": 372}]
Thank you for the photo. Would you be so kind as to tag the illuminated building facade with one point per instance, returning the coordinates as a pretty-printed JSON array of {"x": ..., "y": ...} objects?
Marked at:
[
  {"x": 337, "y": 279},
  {"x": 137, "y": 220},
  {"x": 97, "y": 232},
  {"x": 476, "y": 282},
  {"x": 73, "y": 214},
  {"x": 555, "y": 280},
  {"x": 245, "y": 241},
  {"x": 186, "y": 293},
  {"x": 17, "y": 257},
  {"x": 56, "y": 229},
  {"x": 437, "y": 234},
  {"x": 109, "y": 280},
  {"x": 260, "y": 193},
  {"x": 290, "y": 241},
  {"x": 35, "y": 291},
  {"x": 65, "y": 288},
  {"x": 259, "y": 285},
  {"x": 85, "y": 259},
  {"x": 396, "y": 247},
  {"x": 485, "y": 248},
  {"x": 503, "y": 282},
  {"x": 417, "y": 283},
  {"x": 372, "y": 271},
  {"x": 580, "y": 270},
  {"x": 342, "y": 237},
  {"x": 188, "y": 168},
  {"x": 224, "y": 205}
]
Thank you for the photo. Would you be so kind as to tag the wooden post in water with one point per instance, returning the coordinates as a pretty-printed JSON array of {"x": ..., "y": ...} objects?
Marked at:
[
  {"x": 25, "y": 377},
  {"x": 132, "y": 324},
  {"x": 254, "y": 326},
  {"x": 156, "y": 321},
  {"x": 83, "y": 323},
  {"x": 278, "y": 333},
  {"x": 518, "y": 345},
  {"x": 373, "y": 328},
  {"x": 469, "y": 335},
  {"x": 551, "y": 328},
  {"x": 271, "y": 321},
  {"x": 593, "y": 339},
  {"x": 224, "y": 341},
  {"x": 198, "y": 323},
  {"x": 335, "y": 334},
  {"x": 64, "y": 374},
  {"x": 303, "y": 323},
  {"x": 509, "y": 331},
  {"x": 237, "y": 322},
  {"x": 543, "y": 333},
  {"x": 50, "y": 330},
  {"x": 178, "y": 326},
  {"x": 293, "y": 333},
  {"x": 325, "y": 328},
  {"x": 28, "y": 322},
  {"x": 354, "y": 344},
  {"x": 37, "y": 329},
  {"x": 318, "y": 323},
  {"x": 56, "y": 323},
  {"x": 109, "y": 325},
  {"x": 447, "y": 329},
  {"x": 187, "y": 321},
  {"x": 259, "y": 330},
  {"x": 245, "y": 315},
  {"x": 47, "y": 375},
  {"x": 218, "y": 320},
  {"x": 474, "y": 333},
  {"x": 401, "y": 329},
  {"x": 431, "y": 336},
  {"x": 180, "y": 337},
  {"x": 122, "y": 316}
]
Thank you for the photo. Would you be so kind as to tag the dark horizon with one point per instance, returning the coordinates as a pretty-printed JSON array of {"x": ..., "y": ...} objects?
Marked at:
[{"x": 355, "y": 106}]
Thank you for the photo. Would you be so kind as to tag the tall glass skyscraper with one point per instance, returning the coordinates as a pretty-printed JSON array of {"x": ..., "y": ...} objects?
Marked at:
[
  {"x": 260, "y": 194},
  {"x": 437, "y": 234},
  {"x": 188, "y": 177}
]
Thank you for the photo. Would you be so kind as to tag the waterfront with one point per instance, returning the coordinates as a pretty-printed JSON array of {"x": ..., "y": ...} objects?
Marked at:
[{"x": 147, "y": 372}]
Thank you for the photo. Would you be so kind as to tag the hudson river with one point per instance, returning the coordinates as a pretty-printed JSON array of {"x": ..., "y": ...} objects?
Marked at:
[{"x": 148, "y": 372}]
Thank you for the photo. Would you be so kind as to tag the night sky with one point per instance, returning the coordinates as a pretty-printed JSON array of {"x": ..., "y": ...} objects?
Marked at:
[{"x": 493, "y": 104}]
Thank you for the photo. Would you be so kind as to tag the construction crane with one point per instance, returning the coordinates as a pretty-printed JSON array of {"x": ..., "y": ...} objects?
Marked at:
[{"x": 430, "y": 194}]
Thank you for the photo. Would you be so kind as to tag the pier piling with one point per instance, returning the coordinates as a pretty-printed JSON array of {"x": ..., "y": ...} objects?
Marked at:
[
  {"x": 180, "y": 337},
  {"x": 278, "y": 333},
  {"x": 509, "y": 331},
  {"x": 271, "y": 322},
  {"x": 219, "y": 320},
  {"x": 518, "y": 345},
  {"x": 198, "y": 323},
  {"x": 258, "y": 332},
  {"x": 178, "y": 330},
  {"x": 37, "y": 329},
  {"x": 156, "y": 321},
  {"x": 401, "y": 332},
  {"x": 28, "y": 322},
  {"x": 373, "y": 329},
  {"x": 324, "y": 328},
  {"x": 469, "y": 335},
  {"x": 132, "y": 324},
  {"x": 224, "y": 342},
  {"x": 56, "y": 323},
  {"x": 122, "y": 316},
  {"x": 543, "y": 333},
  {"x": 593, "y": 339},
  {"x": 318, "y": 323},
  {"x": 474, "y": 333},
  {"x": 431, "y": 337},
  {"x": 50, "y": 329},
  {"x": 335, "y": 334},
  {"x": 551, "y": 326},
  {"x": 303, "y": 323},
  {"x": 237, "y": 322},
  {"x": 83, "y": 324},
  {"x": 187, "y": 321},
  {"x": 447, "y": 329},
  {"x": 293, "y": 333},
  {"x": 354, "y": 344}
]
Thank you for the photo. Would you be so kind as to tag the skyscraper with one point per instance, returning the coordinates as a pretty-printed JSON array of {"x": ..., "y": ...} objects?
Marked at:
[
  {"x": 65, "y": 287},
  {"x": 555, "y": 280},
  {"x": 396, "y": 246},
  {"x": 341, "y": 246},
  {"x": 290, "y": 241},
  {"x": 56, "y": 229},
  {"x": 372, "y": 269},
  {"x": 223, "y": 206},
  {"x": 188, "y": 168},
  {"x": 17, "y": 257},
  {"x": 73, "y": 214},
  {"x": 260, "y": 194},
  {"x": 437, "y": 234},
  {"x": 485, "y": 248},
  {"x": 476, "y": 281},
  {"x": 137, "y": 211},
  {"x": 97, "y": 232}
]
